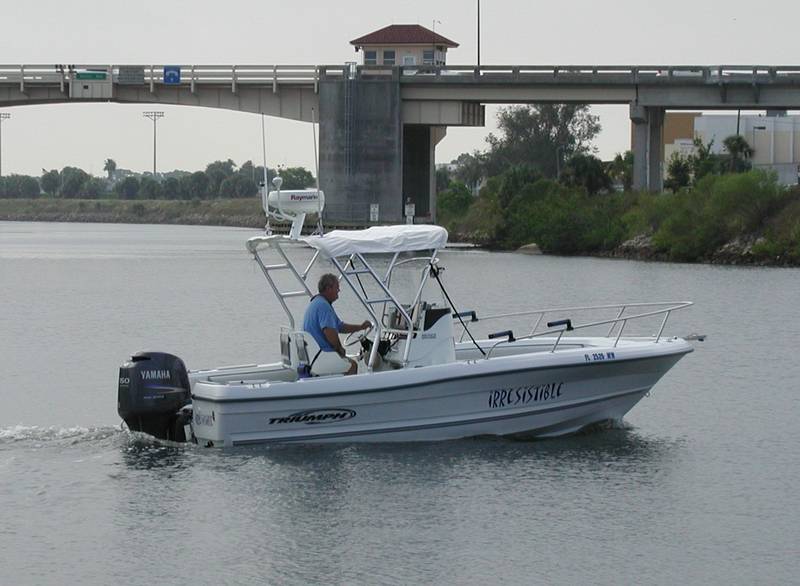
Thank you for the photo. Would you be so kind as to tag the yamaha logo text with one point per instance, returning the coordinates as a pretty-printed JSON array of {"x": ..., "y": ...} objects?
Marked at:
[{"x": 155, "y": 375}]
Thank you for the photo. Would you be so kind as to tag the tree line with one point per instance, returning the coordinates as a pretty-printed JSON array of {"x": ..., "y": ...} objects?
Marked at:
[
  {"x": 541, "y": 182},
  {"x": 220, "y": 179},
  {"x": 556, "y": 141}
]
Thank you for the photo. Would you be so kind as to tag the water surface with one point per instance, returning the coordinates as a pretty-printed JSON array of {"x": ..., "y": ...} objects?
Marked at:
[{"x": 698, "y": 485}]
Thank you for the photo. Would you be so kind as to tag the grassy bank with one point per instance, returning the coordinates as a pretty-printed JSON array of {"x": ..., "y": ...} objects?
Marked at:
[
  {"x": 745, "y": 218},
  {"x": 245, "y": 212}
]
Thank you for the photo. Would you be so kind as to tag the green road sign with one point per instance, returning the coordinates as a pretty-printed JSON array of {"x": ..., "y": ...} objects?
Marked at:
[{"x": 90, "y": 75}]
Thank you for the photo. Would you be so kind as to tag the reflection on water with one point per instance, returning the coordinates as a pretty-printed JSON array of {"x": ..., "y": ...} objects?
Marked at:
[
  {"x": 430, "y": 460},
  {"x": 404, "y": 512},
  {"x": 141, "y": 452}
]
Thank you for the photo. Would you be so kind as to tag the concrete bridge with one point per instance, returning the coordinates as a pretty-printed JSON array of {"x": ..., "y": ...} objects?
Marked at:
[{"x": 379, "y": 126}]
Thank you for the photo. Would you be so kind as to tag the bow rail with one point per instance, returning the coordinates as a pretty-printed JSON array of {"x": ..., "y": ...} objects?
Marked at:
[{"x": 665, "y": 308}]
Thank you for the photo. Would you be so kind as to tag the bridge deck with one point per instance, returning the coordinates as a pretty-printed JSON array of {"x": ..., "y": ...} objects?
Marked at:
[{"x": 685, "y": 86}]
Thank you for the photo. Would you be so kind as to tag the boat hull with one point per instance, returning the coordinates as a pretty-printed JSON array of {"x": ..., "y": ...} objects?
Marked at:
[{"x": 532, "y": 395}]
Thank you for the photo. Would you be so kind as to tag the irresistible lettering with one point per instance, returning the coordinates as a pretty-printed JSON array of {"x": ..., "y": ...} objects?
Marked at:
[{"x": 514, "y": 396}]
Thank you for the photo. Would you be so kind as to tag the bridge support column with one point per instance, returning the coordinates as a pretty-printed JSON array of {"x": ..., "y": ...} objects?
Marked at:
[
  {"x": 361, "y": 148},
  {"x": 368, "y": 156},
  {"x": 419, "y": 166},
  {"x": 648, "y": 127}
]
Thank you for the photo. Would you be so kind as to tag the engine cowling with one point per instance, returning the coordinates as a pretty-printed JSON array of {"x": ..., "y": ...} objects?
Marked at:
[{"x": 153, "y": 394}]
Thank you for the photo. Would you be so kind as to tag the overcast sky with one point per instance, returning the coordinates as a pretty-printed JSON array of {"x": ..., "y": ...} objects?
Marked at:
[{"x": 624, "y": 32}]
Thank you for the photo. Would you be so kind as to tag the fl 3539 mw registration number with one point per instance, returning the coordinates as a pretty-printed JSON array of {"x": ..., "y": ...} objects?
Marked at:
[{"x": 597, "y": 356}]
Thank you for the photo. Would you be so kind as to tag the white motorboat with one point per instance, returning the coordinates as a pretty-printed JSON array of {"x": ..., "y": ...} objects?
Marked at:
[{"x": 422, "y": 376}]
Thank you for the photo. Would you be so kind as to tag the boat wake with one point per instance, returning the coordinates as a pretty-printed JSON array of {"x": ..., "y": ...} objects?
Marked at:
[
  {"x": 606, "y": 425},
  {"x": 56, "y": 435}
]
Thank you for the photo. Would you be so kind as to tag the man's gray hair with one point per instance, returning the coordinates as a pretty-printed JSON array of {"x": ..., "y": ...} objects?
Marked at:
[{"x": 327, "y": 280}]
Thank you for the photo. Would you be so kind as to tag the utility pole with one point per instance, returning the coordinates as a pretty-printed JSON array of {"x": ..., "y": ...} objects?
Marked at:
[
  {"x": 3, "y": 116},
  {"x": 434, "y": 63},
  {"x": 479, "y": 33},
  {"x": 154, "y": 116}
]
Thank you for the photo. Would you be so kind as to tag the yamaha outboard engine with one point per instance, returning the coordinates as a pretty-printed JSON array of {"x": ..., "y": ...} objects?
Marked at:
[{"x": 154, "y": 395}]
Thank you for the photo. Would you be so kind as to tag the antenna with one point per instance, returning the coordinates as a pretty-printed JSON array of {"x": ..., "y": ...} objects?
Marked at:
[
  {"x": 265, "y": 193},
  {"x": 316, "y": 155},
  {"x": 316, "y": 168}
]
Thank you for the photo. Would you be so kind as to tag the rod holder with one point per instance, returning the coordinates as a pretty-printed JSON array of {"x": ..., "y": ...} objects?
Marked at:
[
  {"x": 561, "y": 322},
  {"x": 503, "y": 334},
  {"x": 470, "y": 314}
]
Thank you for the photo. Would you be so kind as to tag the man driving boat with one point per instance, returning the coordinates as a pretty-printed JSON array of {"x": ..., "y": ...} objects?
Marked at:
[{"x": 322, "y": 323}]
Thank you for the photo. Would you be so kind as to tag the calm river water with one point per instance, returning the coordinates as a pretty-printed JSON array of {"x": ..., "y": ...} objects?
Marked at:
[{"x": 699, "y": 485}]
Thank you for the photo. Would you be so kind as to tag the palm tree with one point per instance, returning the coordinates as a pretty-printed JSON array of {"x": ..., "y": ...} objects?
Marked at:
[
  {"x": 621, "y": 170},
  {"x": 739, "y": 151},
  {"x": 110, "y": 167}
]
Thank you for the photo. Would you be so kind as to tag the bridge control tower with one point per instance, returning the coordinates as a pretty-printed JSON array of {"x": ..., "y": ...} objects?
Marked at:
[{"x": 375, "y": 148}]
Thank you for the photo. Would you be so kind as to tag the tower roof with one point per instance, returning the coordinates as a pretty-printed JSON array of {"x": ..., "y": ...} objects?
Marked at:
[{"x": 403, "y": 34}]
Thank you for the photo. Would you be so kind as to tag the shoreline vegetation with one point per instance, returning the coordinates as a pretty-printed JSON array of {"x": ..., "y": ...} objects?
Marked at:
[
  {"x": 737, "y": 219},
  {"x": 240, "y": 212},
  {"x": 743, "y": 219},
  {"x": 537, "y": 188}
]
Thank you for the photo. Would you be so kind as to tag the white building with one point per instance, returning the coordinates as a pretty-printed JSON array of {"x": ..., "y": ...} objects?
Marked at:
[
  {"x": 774, "y": 138},
  {"x": 403, "y": 44}
]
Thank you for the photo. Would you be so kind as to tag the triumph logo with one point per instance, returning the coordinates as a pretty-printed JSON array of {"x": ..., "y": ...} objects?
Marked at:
[
  {"x": 155, "y": 375},
  {"x": 315, "y": 417}
]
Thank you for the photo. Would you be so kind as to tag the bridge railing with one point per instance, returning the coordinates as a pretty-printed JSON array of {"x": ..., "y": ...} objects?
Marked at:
[
  {"x": 310, "y": 75},
  {"x": 619, "y": 73},
  {"x": 189, "y": 75}
]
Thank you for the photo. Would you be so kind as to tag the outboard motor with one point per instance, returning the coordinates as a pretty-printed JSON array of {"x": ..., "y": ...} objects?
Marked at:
[{"x": 154, "y": 395}]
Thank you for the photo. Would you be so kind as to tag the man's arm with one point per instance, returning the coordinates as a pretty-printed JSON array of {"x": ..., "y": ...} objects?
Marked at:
[
  {"x": 333, "y": 339},
  {"x": 350, "y": 328},
  {"x": 333, "y": 336}
]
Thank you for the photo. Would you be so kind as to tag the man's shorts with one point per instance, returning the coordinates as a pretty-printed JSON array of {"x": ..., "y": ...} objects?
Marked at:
[{"x": 330, "y": 363}]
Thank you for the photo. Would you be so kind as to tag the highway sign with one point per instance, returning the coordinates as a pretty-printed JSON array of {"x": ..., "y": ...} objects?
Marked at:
[
  {"x": 172, "y": 74},
  {"x": 90, "y": 75},
  {"x": 130, "y": 75}
]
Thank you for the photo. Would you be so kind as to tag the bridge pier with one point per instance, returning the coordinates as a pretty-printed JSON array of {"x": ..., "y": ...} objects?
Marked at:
[
  {"x": 648, "y": 156},
  {"x": 369, "y": 156}
]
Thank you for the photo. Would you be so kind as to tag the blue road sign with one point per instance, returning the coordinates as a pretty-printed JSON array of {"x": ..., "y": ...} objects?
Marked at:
[{"x": 172, "y": 74}]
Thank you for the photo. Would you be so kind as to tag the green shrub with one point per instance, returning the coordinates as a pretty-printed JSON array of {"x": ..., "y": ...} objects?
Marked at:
[
  {"x": 453, "y": 202},
  {"x": 692, "y": 224}
]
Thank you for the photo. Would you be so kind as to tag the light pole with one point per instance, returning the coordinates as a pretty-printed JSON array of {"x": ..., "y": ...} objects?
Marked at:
[
  {"x": 753, "y": 144},
  {"x": 479, "y": 33},
  {"x": 3, "y": 116},
  {"x": 559, "y": 150},
  {"x": 154, "y": 116},
  {"x": 434, "y": 63}
]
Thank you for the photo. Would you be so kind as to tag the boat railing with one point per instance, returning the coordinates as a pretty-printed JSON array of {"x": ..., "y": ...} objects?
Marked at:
[{"x": 559, "y": 327}]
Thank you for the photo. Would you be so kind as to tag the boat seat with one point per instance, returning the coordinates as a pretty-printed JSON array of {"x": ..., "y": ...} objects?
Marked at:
[{"x": 306, "y": 350}]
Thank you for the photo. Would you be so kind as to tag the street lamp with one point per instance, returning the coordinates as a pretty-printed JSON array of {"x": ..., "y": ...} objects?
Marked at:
[
  {"x": 154, "y": 116},
  {"x": 754, "y": 128},
  {"x": 434, "y": 63},
  {"x": 479, "y": 33},
  {"x": 559, "y": 151},
  {"x": 3, "y": 116}
]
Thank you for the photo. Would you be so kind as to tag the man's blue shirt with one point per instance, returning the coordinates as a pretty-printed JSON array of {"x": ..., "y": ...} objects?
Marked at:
[{"x": 319, "y": 315}]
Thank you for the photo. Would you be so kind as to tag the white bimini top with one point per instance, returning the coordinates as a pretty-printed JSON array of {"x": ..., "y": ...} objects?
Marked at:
[{"x": 378, "y": 239}]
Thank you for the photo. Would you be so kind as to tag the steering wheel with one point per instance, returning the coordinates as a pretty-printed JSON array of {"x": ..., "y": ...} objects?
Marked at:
[{"x": 354, "y": 338}]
